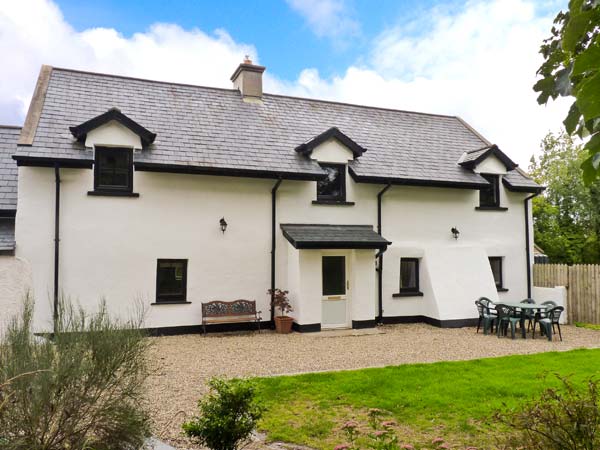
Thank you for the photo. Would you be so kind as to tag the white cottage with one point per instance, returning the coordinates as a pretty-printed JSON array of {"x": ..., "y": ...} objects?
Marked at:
[{"x": 173, "y": 195}]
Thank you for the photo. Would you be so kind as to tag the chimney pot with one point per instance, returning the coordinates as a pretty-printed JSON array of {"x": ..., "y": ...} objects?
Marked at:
[{"x": 247, "y": 78}]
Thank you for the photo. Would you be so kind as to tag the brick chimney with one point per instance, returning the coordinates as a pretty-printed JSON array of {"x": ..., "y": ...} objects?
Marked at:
[{"x": 247, "y": 78}]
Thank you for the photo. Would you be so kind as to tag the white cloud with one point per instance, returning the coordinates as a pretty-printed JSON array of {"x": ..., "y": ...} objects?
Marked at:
[
  {"x": 478, "y": 63},
  {"x": 34, "y": 32},
  {"x": 327, "y": 18}
]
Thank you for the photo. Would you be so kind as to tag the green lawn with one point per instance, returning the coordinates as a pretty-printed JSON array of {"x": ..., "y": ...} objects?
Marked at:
[{"x": 454, "y": 400}]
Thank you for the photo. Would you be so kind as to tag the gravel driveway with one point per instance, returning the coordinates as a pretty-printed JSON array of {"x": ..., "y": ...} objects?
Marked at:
[{"x": 180, "y": 365}]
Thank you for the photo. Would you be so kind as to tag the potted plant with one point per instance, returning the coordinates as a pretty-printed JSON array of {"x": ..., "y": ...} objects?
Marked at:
[{"x": 280, "y": 300}]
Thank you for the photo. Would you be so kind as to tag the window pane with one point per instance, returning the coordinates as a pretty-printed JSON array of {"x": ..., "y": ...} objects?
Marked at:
[
  {"x": 332, "y": 186},
  {"x": 334, "y": 275},
  {"x": 408, "y": 274},
  {"x": 488, "y": 195},
  {"x": 113, "y": 168},
  {"x": 496, "y": 264},
  {"x": 171, "y": 280}
]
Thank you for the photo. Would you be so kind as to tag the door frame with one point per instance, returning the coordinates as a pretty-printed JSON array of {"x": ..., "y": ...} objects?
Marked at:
[{"x": 348, "y": 297}]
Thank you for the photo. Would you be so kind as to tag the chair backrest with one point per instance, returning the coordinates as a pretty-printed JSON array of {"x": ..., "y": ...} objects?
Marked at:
[
  {"x": 484, "y": 300},
  {"x": 504, "y": 310},
  {"x": 480, "y": 308},
  {"x": 529, "y": 301},
  {"x": 554, "y": 313},
  {"x": 550, "y": 302}
]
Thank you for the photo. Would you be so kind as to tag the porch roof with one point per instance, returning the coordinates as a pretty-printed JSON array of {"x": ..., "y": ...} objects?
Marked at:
[{"x": 319, "y": 236}]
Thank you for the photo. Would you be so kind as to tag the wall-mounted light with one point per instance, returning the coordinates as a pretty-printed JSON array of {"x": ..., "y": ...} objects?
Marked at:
[
  {"x": 455, "y": 232},
  {"x": 223, "y": 224}
]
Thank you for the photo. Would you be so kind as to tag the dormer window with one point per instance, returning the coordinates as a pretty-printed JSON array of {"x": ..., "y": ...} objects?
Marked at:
[
  {"x": 333, "y": 187},
  {"x": 489, "y": 197},
  {"x": 113, "y": 170}
]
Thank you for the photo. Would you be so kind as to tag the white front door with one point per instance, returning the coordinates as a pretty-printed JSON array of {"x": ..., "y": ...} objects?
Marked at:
[{"x": 334, "y": 313}]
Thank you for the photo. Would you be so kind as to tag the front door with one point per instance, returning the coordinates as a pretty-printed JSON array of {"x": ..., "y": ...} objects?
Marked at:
[{"x": 335, "y": 295}]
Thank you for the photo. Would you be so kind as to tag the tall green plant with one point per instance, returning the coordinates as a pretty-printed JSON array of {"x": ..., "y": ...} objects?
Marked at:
[
  {"x": 85, "y": 385},
  {"x": 571, "y": 68},
  {"x": 567, "y": 215}
]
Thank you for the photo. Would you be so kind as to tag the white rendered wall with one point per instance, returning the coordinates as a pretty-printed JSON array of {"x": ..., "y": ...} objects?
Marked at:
[
  {"x": 113, "y": 134},
  {"x": 332, "y": 151},
  {"x": 556, "y": 294},
  {"x": 491, "y": 165},
  {"x": 15, "y": 280},
  {"x": 109, "y": 245}
]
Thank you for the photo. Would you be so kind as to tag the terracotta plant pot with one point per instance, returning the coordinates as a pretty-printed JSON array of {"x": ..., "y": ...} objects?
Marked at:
[{"x": 283, "y": 324}]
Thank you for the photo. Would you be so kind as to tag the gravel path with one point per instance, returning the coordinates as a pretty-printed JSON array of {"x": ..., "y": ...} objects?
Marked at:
[{"x": 180, "y": 365}]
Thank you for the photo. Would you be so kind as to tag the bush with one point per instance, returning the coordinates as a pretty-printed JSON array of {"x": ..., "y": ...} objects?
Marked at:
[
  {"x": 82, "y": 389},
  {"x": 566, "y": 419},
  {"x": 228, "y": 415}
]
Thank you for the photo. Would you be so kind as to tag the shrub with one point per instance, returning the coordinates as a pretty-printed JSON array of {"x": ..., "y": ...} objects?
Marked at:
[
  {"x": 565, "y": 419},
  {"x": 82, "y": 389},
  {"x": 280, "y": 301},
  {"x": 228, "y": 415}
]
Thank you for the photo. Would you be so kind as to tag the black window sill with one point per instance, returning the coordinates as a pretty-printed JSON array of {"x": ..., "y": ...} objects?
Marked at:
[
  {"x": 113, "y": 194},
  {"x": 169, "y": 302},
  {"x": 407, "y": 294},
  {"x": 332, "y": 202},
  {"x": 501, "y": 289},
  {"x": 491, "y": 208}
]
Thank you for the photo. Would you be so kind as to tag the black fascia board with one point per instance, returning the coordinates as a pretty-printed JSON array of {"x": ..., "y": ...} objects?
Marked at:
[
  {"x": 80, "y": 131},
  {"x": 333, "y": 132}
]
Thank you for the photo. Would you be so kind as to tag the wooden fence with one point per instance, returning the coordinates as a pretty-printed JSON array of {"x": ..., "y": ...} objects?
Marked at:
[{"x": 583, "y": 288}]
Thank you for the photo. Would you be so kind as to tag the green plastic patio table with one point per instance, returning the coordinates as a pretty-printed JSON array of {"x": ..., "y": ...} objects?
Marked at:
[{"x": 524, "y": 307}]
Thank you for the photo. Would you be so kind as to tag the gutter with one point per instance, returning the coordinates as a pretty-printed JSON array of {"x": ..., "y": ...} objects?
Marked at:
[
  {"x": 527, "y": 246},
  {"x": 273, "y": 241},
  {"x": 56, "y": 241},
  {"x": 379, "y": 256}
]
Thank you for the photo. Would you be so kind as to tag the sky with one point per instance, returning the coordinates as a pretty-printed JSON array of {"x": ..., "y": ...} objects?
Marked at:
[{"x": 472, "y": 58}]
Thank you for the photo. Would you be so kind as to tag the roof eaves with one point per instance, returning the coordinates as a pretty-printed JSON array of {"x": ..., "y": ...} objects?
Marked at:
[
  {"x": 80, "y": 131},
  {"x": 417, "y": 182},
  {"x": 331, "y": 133}
]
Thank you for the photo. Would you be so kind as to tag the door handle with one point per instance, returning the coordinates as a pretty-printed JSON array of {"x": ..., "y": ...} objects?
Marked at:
[{"x": 347, "y": 285}]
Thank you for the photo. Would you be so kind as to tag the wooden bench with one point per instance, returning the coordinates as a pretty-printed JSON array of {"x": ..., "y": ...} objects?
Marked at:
[{"x": 230, "y": 312}]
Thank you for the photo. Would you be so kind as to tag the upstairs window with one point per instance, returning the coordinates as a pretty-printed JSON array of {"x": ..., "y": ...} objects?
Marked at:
[
  {"x": 113, "y": 170},
  {"x": 171, "y": 280},
  {"x": 489, "y": 197},
  {"x": 333, "y": 187},
  {"x": 496, "y": 265}
]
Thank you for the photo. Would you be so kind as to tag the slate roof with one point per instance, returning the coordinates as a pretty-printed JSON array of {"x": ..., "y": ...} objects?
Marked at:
[
  {"x": 7, "y": 234},
  {"x": 516, "y": 180},
  {"x": 473, "y": 158},
  {"x": 210, "y": 128},
  {"x": 8, "y": 167},
  {"x": 306, "y": 236}
]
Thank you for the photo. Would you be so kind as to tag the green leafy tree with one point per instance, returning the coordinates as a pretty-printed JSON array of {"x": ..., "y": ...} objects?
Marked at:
[
  {"x": 572, "y": 68},
  {"x": 567, "y": 215}
]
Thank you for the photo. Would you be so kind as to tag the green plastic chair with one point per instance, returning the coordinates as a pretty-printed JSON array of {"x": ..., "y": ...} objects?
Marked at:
[
  {"x": 485, "y": 318},
  {"x": 548, "y": 323},
  {"x": 529, "y": 315},
  {"x": 507, "y": 316}
]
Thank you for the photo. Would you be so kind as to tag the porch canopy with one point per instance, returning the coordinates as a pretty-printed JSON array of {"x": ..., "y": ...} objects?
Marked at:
[{"x": 317, "y": 236}]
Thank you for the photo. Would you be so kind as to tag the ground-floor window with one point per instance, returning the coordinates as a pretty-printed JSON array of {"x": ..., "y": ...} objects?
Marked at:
[
  {"x": 171, "y": 280},
  {"x": 409, "y": 277},
  {"x": 496, "y": 265}
]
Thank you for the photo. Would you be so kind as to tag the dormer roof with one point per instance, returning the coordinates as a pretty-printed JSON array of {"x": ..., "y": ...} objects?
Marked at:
[
  {"x": 473, "y": 158},
  {"x": 332, "y": 133},
  {"x": 81, "y": 131}
]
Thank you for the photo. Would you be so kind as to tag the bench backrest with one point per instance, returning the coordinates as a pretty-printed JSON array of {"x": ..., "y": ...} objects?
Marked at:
[{"x": 219, "y": 308}]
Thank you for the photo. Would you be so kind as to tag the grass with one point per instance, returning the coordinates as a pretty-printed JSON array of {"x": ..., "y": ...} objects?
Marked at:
[
  {"x": 455, "y": 400},
  {"x": 591, "y": 326}
]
